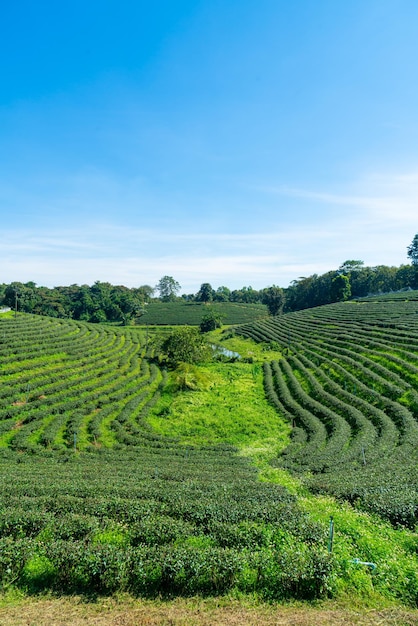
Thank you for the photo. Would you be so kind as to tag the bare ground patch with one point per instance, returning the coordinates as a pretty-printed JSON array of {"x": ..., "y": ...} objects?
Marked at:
[{"x": 192, "y": 612}]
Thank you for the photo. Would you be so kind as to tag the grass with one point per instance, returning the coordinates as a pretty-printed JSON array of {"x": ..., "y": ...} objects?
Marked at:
[
  {"x": 358, "y": 535},
  {"x": 17, "y": 610},
  {"x": 233, "y": 411}
]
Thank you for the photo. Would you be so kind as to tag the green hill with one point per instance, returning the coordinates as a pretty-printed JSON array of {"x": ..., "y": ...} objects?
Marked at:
[
  {"x": 347, "y": 381},
  {"x": 173, "y": 313}
]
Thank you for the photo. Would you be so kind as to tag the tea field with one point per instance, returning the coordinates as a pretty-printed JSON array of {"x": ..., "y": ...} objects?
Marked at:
[
  {"x": 94, "y": 500},
  {"x": 191, "y": 313},
  {"x": 347, "y": 382}
]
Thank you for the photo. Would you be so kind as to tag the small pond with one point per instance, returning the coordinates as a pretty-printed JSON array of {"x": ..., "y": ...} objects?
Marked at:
[{"x": 230, "y": 354}]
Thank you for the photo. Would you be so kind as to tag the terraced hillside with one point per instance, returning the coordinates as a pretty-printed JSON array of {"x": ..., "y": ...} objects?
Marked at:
[
  {"x": 65, "y": 383},
  {"x": 348, "y": 383},
  {"x": 93, "y": 500}
]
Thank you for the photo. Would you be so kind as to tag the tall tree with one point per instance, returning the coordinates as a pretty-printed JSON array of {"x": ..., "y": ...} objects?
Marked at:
[
  {"x": 352, "y": 265},
  {"x": 205, "y": 293},
  {"x": 413, "y": 251},
  {"x": 273, "y": 298},
  {"x": 168, "y": 288},
  {"x": 340, "y": 288}
]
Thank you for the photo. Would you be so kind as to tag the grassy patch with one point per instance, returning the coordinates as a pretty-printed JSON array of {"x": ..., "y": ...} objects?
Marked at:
[
  {"x": 358, "y": 535},
  {"x": 233, "y": 410}
]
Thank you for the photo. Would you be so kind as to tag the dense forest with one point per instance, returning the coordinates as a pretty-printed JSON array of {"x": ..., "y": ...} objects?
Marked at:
[{"x": 103, "y": 302}]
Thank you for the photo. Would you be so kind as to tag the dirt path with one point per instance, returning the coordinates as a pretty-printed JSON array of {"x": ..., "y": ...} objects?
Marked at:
[{"x": 128, "y": 612}]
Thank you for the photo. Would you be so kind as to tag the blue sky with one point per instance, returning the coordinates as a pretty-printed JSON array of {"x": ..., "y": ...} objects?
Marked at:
[{"x": 236, "y": 142}]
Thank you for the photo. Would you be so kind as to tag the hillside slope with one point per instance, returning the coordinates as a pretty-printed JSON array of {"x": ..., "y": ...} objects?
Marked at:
[
  {"x": 93, "y": 499},
  {"x": 347, "y": 382}
]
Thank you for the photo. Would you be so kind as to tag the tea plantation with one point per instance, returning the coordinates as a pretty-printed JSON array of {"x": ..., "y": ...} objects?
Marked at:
[
  {"x": 93, "y": 500},
  {"x": 174, "y": 313},
  {"x": 347, "y": 381}
]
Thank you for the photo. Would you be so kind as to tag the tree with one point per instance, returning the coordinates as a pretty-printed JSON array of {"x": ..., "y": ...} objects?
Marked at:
[
  {"x": 413, "y": 251},
  {"x": 340, "y": 288},
  {"x": 273, "y": 297},
  {"x": 168, "y": 288},
  {"x": 211, "y": 320},
  {"x": 145, "y": 292},
  {"x": 185, "y": 345},
  {"x": 205, "y": 293},
  {"x": 245, "y": 294},
  {"x": 352, "y": 265},
  {"x": 23, "y": 296},
  {"x": 222, "y": 294}
]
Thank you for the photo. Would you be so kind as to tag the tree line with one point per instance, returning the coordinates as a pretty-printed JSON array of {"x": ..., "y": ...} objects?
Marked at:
[
  {"x": 103, "y": 302},
  {"x": 351, "y": 280},
  {"x": 100, "y": 302}
]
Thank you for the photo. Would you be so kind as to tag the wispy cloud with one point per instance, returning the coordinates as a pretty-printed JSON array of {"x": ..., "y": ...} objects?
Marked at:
[
  {"x": 374, "y": 220},
  {"x": 131, "y": 257},
  {"x": 391, "y": 196}
]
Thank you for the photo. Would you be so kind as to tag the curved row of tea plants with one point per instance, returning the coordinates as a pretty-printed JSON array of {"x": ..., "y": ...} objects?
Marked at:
[
  {"x": 65, "y": 384},
  {"x": 348, "y": 383},
  {"x": 128, "y": 510}
]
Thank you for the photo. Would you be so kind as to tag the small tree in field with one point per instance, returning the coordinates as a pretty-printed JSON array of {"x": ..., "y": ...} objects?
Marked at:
[
  {"x": 185, "y": 345},
  {"x": 211, "y": 320}
]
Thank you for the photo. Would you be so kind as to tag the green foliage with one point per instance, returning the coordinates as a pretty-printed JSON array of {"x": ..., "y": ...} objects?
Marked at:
[
  {"x": 112, "y": 536},
  {"x": 313, "y": 291},
  {"x": 413, "y": 251},
  {"x": 101, "y": 302},
  {"x": 39, "y": 572},
  {"x": 190, "y": 377},
  {"x": 151, "y": 515},
  {"x": 185, "y": 345},
  {"x": 274, "y": 298},
  {"x": 211, "y": 320},
  {"x": 340, "y": 288},
  {"x": 181, "y": 313},
  {"x": 222, "y": 294},
  {"x": 352, "y": 265},
  {"x": 175, "y": 523},
  {"x": 231, "y": 410},
  {"x": 205, "y": 293},
  {"x": 168, "y": 288}
]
